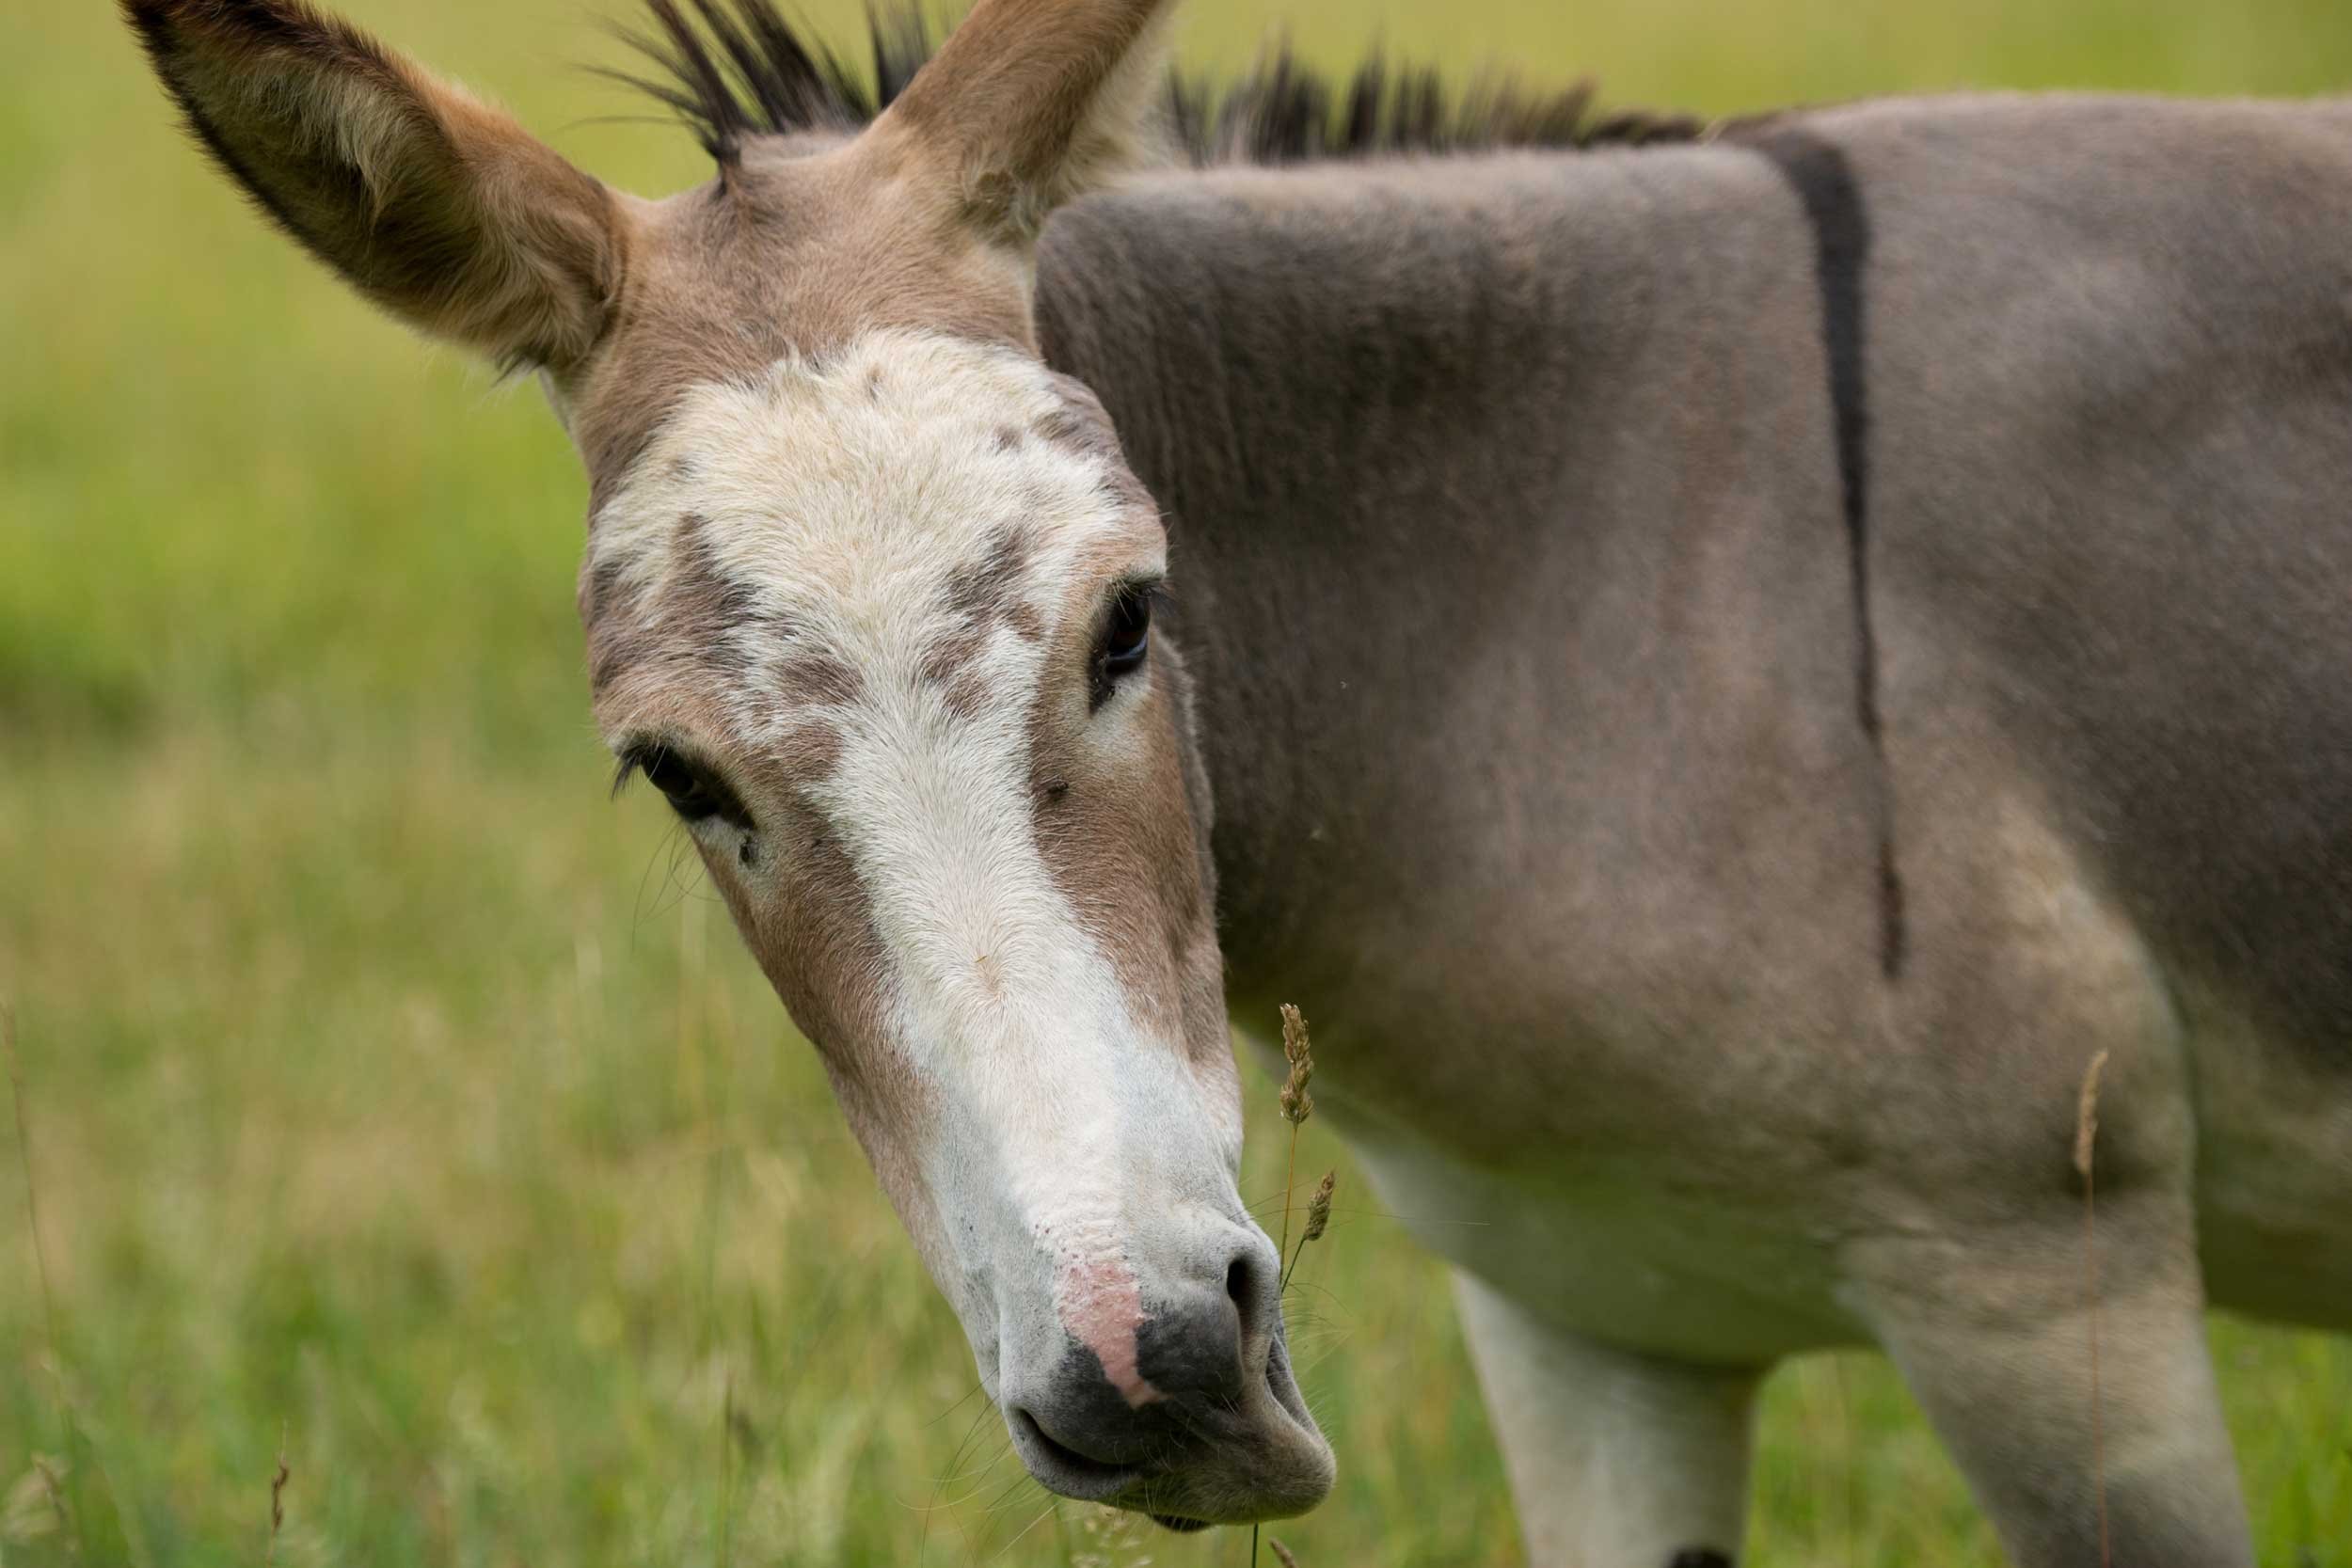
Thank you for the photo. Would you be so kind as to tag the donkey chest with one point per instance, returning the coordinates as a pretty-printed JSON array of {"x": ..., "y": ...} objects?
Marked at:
[
  {"x": 1652, "y": 1215},
  {"x": 1627, "y": 1250}
]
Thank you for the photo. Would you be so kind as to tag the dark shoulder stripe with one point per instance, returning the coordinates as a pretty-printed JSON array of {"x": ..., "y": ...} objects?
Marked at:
[{"x": 1823, "y": 180}]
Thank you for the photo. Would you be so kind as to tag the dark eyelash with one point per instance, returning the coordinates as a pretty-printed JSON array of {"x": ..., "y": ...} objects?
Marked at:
[
  {"x": 631, "y": 762},
  {"x": 1154, "y": 592},
  {"x": 700, "y": 792},
  {"x": 638, "y": 759}
]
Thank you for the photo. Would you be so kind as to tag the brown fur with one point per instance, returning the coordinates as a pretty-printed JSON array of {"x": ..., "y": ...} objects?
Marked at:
[
  {"x": 685, "y": 631},
  {"x": 988, "y": 593},
  {"x": 813, "y": 934},
  {"x": 967, "y": 695},
  {"x": 1116, "y": 831},
  {"x": 1015, "y": 102},
  {"x": 817, "y": 680},
  {"x": 795, "y": 253},
  {"x": 945, "y": 658},
  {"x": 436, "y": 206}
]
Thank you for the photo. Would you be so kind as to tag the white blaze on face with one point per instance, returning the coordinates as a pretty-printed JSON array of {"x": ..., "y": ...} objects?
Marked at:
[{"x": 855, "y": 498}]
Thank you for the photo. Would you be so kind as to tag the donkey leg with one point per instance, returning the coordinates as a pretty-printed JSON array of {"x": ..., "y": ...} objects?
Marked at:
[
  {"x": 1992, "y": 1332},
  {"x": 1617, "y": 1460}
]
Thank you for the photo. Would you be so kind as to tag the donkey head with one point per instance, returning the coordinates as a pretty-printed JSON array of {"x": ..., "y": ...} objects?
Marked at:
[{"x": 868, "y": 595}]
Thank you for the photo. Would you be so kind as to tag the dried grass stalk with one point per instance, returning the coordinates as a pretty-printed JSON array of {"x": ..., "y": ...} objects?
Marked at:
[
  {"x": 277, "y": 1499},
  {"x": 2086, "y": 1143}
]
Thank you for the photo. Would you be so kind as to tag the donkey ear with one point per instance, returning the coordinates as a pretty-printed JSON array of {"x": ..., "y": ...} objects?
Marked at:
[
  {"x": 1035, "y": 101},
  {"x": 440, "y": 208}
]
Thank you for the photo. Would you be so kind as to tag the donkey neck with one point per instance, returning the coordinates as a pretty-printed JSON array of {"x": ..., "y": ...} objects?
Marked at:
[{"x": 1356, "y": 391}]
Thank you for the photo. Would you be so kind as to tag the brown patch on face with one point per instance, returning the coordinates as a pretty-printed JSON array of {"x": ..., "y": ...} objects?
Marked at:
[
  {"x": 983, "y": 599},
  {"x": 989, "y": 590},
  {"x": 946, "y": 655},
  {"x": 1120, "y": 832},
  {"x": 1201, "y": 960},
  {"x": 1067, "y": 427},
  {"x": 966, "y": 695},
  {"x": 701, "y": 599},
  {"x": 807, "y": 918},
  {"x": 616, "y": 636},
  {"x": 817, "y": 680},
  {"x": 686, "y": 627},
  {"x": 808, "y": 754},
  {"x": 1082, "y": 425}
]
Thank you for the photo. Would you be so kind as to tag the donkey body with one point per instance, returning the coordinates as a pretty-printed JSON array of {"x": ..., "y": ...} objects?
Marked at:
[
  {"x": 1722, "y": 676},
  {"x": 1517, "y": 579}
]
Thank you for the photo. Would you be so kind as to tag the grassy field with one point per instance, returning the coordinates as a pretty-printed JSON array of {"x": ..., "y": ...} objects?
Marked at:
[{"x": 396, "y": 1098}]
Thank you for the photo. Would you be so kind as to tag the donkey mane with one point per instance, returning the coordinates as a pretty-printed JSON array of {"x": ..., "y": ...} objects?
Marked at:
[{"x": 736, "y": 69}]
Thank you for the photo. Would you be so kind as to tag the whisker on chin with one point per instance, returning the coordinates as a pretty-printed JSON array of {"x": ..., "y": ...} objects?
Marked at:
[
  {"x": 1322, "y": 1355},
  {"x": 1051, "y": 1510},
  {"x": 1012, "y": 1489},
  {"x": 995, "y": 1457},
  {"x": 977, "y": 1386}
]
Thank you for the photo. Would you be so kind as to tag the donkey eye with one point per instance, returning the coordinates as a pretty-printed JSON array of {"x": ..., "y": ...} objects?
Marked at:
[
  {"x": 1126, "y": 638},
  {"x": 691, "y": 792},
  {"x": 672, "y": 777}
]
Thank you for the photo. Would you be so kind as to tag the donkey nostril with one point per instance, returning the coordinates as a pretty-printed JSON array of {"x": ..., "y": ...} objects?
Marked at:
[{"x": 1248, "y": 1286}]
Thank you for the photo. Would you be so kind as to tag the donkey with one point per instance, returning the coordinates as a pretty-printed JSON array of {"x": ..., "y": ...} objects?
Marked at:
[{"x": 1725, "y": 675}]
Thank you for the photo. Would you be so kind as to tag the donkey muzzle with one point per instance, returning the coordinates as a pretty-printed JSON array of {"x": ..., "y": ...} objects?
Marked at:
[{"x": 1196, "y": 1418}]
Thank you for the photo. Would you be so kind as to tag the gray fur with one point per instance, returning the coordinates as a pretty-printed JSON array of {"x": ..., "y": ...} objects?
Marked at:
[{"x": 1511, "y": 577}]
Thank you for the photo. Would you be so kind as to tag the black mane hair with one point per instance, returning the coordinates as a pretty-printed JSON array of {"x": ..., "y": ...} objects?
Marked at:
[{"x": 734, "y": 70}]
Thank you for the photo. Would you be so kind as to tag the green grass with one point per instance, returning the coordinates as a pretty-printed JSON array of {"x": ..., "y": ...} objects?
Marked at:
[{"x": 392, "y": 1090}]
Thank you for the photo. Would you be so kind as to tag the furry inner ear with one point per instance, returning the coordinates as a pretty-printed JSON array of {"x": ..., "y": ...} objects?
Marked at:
[
  {"x": 431, "y": 203},
  {"x": 1032, "y": 103}
]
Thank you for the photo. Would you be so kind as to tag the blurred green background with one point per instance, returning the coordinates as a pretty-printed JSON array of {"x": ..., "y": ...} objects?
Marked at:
[{"x": 395, "y": 1097}]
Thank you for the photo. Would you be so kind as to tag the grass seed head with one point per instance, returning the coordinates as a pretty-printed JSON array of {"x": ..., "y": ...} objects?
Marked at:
[
  {"x": 1282, "y": 1554},
  {"x": 1319, "y": 1207},
  {"x": 1297, "y": 1105}
]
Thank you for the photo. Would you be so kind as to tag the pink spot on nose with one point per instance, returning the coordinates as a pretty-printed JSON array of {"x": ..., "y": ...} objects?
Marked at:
[{"x": 1102, "y": 1308}]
